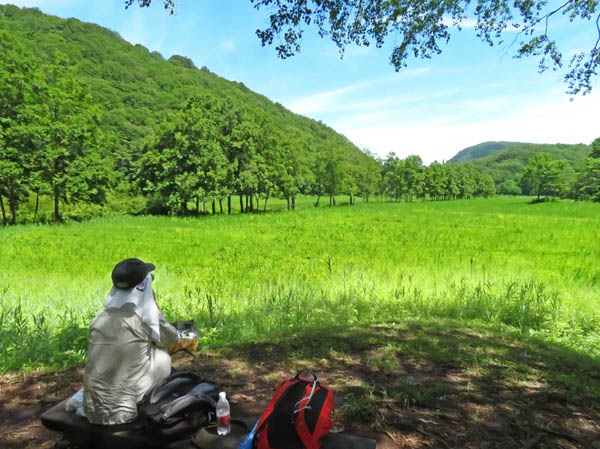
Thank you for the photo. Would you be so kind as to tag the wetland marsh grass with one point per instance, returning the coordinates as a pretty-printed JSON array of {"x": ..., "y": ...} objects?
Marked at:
[{"x": 533, "y": 269}]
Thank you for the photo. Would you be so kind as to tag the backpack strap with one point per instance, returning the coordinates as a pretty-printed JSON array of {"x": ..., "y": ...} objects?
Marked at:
[
  {"x": 307, "y": 370},
  {"x": 186, "y": 401},
  {"x": 163, "y": 386},
  {"x": 300, "y": 419},
  {"x": 281, "y": 392}
]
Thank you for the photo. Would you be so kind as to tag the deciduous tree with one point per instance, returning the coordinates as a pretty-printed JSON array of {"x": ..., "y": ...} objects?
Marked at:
[
  {"x": 19, "y": 83},
  {"x": 419, "y": 28},
  {"x": 186, "y": 162},
  {"x": 69, "y": 136},
  {"x": 544, "y": 175},
  {"x": 596, "y": 149}
]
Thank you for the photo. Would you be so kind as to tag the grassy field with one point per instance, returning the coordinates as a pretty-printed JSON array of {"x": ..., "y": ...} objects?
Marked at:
[{"x": 532, "y": 269}]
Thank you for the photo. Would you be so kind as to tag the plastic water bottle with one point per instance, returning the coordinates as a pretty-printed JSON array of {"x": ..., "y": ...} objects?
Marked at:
[{"x": 223, "y": 415}]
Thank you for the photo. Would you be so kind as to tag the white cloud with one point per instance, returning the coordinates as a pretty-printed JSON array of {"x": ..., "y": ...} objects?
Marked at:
[
  {"x": 464, "y": 23},
  {"x": 136, "y": 31},
  {"x": 553, "y": 121},
  {"x": 344, "y": 99},
  {"x": 412, "y": 73},
  {"x": 227, "y": 46},
  {"x": 324, "y": 101}
]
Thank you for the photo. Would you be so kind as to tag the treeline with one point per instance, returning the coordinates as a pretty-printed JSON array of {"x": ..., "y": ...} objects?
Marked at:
[
  {"x": 408, "y": 179},
  {"x": 211, "y": 150},
  {"x": 547, "y": 176},
  {"x": 201, "y": 156},
  {"x": 49, "y": 139},
  {"x": 137, "y": 88},
  {"x": 214, "y": 149},
  {"x": 88, "y": 119},
  {"x": 507, "y": 163}
]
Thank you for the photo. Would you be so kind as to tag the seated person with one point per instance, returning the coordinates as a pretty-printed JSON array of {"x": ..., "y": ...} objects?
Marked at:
[{"x": 126, "y": 353}]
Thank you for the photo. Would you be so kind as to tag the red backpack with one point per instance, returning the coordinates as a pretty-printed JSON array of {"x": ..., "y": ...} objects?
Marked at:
[{"x": 298, "y": 416}]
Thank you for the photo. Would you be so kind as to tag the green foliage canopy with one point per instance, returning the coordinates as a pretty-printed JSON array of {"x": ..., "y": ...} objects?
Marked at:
[
  {"x": 419, "y": 27},
  {"x": 85, "y": 113},
  {"x": 545, "y": 175}
]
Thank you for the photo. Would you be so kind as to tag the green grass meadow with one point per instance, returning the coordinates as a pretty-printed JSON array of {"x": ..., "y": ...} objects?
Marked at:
[{"x": 532, "y": 269}]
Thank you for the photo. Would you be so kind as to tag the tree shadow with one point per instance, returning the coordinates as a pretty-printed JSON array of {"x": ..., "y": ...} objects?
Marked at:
[
  {"x": 441, "y": 384},
  {"x": 416, "y": 384}
]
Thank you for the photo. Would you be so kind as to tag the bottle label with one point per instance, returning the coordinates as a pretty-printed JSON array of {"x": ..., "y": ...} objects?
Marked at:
[{"x": 223, "y": 421}]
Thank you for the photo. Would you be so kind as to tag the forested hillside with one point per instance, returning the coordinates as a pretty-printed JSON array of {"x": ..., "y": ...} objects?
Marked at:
[
  {"x": 137, "y": 88},
  {"x": 92, "y": 125},
  {"x": 507, "y": 166},
  {"x": 481, "y": 150},
  {"x": 137, "y": 95}
]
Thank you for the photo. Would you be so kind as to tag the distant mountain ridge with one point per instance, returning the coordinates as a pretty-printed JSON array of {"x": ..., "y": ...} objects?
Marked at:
[
  {"x": 507, "y": 165},
  {"x": 481, "y": 150}
]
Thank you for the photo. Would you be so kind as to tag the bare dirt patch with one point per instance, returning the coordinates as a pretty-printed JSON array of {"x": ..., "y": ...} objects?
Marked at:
[{"x": 413, "y": 386}]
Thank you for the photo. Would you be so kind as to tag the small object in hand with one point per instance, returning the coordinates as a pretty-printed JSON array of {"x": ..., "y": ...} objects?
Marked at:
[{"x": 187, "y": 337}]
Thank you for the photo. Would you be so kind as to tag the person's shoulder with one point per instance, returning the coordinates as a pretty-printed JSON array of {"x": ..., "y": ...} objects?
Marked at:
[{"x": 127, "y": 310}]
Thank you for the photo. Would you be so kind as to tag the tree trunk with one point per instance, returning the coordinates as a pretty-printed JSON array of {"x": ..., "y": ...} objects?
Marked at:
[
  {"x": 214, "y": 207},
  {"x": 265, "y": 205},
  {"x": 221, "y": 205},
  {"x": 333, "y": 197},
  {"x": 257, "y": 203},
  {"x": 3, "y": 211},
  {"x": 37, "y": 205},
  {"x": 318, "y": 199},
  {"x": 251, "y": 202},
  {"x": 228, "y": 204},
  {"x": 293, "y": 202},
  {"x": 247, "y": 204},
  {"x": 12, "y": 205},
  {"x": 330, "y": 200},
  {"x": 197, "y": 205},
  {"x": 57, "y": 217},
  {"x": 241, "y": 203},
  {"x": 287, "y": 198}
]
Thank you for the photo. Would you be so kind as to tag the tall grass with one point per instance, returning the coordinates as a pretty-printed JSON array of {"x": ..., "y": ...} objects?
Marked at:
[{"x": 532, "y": 268}]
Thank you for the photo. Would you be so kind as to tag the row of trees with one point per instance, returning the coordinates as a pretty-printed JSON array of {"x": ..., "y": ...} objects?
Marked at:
[
  {"x": 52, "y": 144},
  {"x": 409, "y": 178},
  {"x": 213, "y": 149},
  {"x": 548, "y": 176},
  {"x": 49, "y": 139},
  {"x": 210, "y": 150}
]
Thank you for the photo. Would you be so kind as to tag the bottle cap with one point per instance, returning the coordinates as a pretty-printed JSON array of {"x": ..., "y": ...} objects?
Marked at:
[{"x": 222, "y": 395}]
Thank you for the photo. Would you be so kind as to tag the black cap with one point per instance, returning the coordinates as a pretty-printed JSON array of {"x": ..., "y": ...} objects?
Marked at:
[{"x": 130, "y": 272}]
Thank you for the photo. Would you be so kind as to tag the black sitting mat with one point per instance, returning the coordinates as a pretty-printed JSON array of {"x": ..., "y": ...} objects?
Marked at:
[{"x": 125, "y": 436}]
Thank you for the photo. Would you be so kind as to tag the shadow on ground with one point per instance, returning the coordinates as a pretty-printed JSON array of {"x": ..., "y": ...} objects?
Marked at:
[{"x": 414, "y": 385}]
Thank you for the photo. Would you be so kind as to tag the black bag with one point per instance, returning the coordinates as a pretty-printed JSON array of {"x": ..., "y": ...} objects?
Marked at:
[
  {"x": 298, "y": 416},
  {"x": 179, "y": 404}
]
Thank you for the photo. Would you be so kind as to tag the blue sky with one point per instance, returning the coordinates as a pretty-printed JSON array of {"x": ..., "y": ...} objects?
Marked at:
[{"x": 469, "y": 94}]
